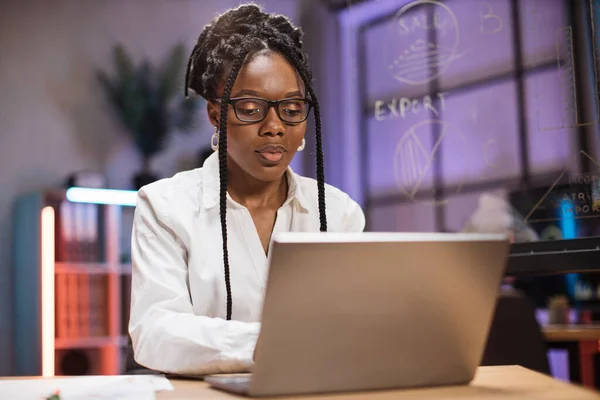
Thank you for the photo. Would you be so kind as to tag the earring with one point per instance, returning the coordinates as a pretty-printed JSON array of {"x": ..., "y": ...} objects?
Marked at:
[
  {"x": 214, "y": 140},
  {"x": 303, "y": 145}
]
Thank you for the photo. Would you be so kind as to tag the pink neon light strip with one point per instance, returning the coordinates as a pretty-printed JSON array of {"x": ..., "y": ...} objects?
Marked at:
[{"x": 47, "y": 277}]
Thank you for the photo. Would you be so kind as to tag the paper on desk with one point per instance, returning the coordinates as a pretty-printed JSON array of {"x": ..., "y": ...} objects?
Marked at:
[{"x": 118, "y": 387}]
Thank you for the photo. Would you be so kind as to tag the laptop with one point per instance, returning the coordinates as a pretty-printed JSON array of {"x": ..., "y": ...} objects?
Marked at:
[{"x": 347, "y": 312}]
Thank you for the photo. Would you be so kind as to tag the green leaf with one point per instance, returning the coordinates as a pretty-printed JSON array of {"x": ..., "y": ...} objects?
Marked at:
[
  {"x": 123, "y": 62},
  {"x": 170, "y": 75}
]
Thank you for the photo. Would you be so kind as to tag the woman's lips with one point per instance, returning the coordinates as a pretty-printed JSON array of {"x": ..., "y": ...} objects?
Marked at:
[
  {"x": 274, "y": 157},
  {"x": 271, "y": 154}
]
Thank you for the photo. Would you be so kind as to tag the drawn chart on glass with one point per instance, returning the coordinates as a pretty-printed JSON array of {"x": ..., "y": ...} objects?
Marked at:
[
  {"x": 487, "y": 148},
  {"x": 594, "y": 14},
  {"x": 412, "y": 161},
  {"x": 412, "y": 58},
  {"x": 490, "y": 22},
  {"x": 579, "y": 198},
  {"x": 568, "y": 114},
  {"x": 565, "y": 60}
]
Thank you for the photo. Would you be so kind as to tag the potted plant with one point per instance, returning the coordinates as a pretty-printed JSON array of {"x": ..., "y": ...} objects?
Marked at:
[{"x": 147, "y": 101}]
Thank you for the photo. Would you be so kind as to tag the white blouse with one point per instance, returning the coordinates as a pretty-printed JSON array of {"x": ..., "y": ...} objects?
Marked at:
[{"x": 178, "y": 305}]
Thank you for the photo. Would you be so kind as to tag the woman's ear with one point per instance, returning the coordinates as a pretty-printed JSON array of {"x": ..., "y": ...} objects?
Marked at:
[{"x": 213, "y": 111}]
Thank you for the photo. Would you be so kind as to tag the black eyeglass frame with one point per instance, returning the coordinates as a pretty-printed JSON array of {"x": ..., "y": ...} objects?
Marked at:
[{"x": 270, "y": 103}]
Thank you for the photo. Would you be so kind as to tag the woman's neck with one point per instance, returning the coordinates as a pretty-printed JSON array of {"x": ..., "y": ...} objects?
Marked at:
[{"x": 252, "y": 193}]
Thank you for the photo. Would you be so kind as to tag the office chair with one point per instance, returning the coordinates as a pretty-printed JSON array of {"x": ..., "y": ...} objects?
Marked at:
[{"x": 515, "y": 337}]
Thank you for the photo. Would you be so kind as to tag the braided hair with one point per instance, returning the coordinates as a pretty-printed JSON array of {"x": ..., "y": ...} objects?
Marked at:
[{"x": 223, "y": 47}]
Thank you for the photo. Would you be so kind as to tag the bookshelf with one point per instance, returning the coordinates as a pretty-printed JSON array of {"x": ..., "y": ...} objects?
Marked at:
[{"x": 72, "y": 281}]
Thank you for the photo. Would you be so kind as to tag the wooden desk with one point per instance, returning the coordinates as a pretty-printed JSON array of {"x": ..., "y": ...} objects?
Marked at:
[
  {"x": 571, "y": 333},
  {"x": 581, "y": 342},
  {"x": 493, "y": 383}
]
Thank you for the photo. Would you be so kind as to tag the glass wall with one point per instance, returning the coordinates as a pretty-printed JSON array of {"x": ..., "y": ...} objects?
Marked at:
[{"x": 470, "y": 104}]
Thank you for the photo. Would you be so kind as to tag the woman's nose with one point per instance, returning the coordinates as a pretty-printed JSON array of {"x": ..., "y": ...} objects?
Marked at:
[{"x": 272, "y": 124}]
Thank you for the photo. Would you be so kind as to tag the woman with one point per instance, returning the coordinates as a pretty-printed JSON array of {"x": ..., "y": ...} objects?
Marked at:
[{"x": 201, "y": 238}]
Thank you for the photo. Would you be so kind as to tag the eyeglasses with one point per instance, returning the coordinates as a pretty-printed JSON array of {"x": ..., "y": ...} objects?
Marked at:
[{"x": 249, "y": 109}]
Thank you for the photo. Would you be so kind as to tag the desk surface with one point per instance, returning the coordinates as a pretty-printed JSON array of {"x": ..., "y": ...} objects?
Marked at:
[
  {"x": 569, "y": 333},
  {"x": 497, "y": 383}
]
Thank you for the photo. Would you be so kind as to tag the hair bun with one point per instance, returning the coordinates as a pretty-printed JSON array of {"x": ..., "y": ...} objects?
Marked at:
[{"x": 241, "y": 30}]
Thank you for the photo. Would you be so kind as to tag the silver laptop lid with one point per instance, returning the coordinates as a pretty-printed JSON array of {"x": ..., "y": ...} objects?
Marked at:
[{"x": 362, "y": 311}]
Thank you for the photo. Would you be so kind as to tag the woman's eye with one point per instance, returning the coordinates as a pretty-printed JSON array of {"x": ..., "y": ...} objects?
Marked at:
[
  {"x": 293, "y": 108},
  {"x": 250, "y": 111},
  {"x": 291, "y": 112},
  {"x": 249, "y": 108}
]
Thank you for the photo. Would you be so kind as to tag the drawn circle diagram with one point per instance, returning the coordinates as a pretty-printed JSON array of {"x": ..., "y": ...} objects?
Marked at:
[
  {"x": 410, "y": 54},
  {"x": 414, "y": 160}
]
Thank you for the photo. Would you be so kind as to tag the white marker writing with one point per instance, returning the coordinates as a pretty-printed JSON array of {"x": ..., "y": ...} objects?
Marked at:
[
  {"x": 486, "y": 13},
  {"x": 399, "y": 108}
]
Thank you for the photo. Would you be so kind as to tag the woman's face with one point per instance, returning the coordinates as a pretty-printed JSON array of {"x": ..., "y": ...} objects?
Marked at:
[{"x": 263, "y": 149}]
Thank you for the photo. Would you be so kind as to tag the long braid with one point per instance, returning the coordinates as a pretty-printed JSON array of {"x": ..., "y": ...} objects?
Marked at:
[
  {"x": 320, "y": 163},
  {"x": 223, "y": 174},
  {"x": 221, "y": 50}
]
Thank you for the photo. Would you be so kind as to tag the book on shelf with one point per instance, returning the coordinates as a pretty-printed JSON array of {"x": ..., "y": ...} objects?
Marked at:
[
  {"x": 77, "y": 228},
  {"x": 81, "y": 305}
]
